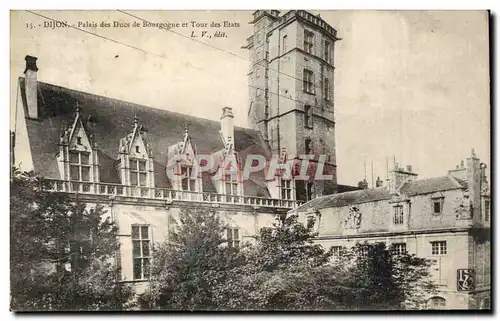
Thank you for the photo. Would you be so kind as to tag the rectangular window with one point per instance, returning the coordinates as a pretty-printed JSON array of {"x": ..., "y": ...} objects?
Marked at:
[
  {"x": 231, "y": 188},
  {"x": 308, "y": 119},
  {"x": 141, "y": 251},
  {"x": 327, "y": 53},
  {"x": 188, "y": 183},
  {"x": 286, "y": 189},
  {"x": 138, "y": 172},
  {"x": 327, "y": 89},
  {"x": 398, "y": 215},
  {"x": 233, "y": 237},
  {"x": 437, "y": 207},
  {"x": 308, "y": 81},
  {"x": 309, "y": 191},
  {"x": 79, "y": 166},
  {"x": 439, "y": 248},
  {"x": 486, "y": 210},
  {"x": 398, "y": 248},
  {"x": 285, "y": 43},
  {"x": 308, "y": 41},
  {"x": 337, "y": 252}
]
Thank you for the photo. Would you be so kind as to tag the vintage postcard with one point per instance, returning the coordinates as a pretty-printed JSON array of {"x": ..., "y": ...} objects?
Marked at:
[{"x": 265, "y": 160}]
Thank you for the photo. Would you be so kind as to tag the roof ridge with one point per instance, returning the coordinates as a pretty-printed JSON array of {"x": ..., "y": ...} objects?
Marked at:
[{"x": 120, "y": 101}]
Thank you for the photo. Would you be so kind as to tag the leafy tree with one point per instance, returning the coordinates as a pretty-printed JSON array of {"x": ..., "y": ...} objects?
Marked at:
[
  {"x": 186, "y": 268},
  {"x": 286, "y": 270},
  {"x": 382, "y": 279},
  {"x": 61, "y": 252}
]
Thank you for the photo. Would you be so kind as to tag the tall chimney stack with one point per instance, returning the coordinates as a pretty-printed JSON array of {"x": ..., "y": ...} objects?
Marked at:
[
  {"x": 474, "y": 185},
  {"x": 227, "y": 124},
  {"x": 31, "y": 86}
]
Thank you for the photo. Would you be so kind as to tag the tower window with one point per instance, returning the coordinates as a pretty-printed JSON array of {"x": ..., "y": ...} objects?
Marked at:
[
  {"x": 308, "y": 41},
  {"x": 308, "y": 81},
  {"x": 327, "y": 53},
  {"x": 327, "y": 89},
  {"x": 308, "y": 119},
  {"x": 78, "y": 140},
  {"x": 137, "y": 149},
  {"x": 285, "y": 43},
  {"x": 308, "y": 145}
]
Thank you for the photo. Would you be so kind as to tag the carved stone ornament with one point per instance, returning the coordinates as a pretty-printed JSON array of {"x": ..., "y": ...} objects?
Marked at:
[
  {"x": 353, "y": 220},
  {"x": 463, "y": 208}
]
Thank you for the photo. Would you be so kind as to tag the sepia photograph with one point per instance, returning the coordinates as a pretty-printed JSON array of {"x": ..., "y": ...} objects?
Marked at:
[{"x": 250, "y": 160}]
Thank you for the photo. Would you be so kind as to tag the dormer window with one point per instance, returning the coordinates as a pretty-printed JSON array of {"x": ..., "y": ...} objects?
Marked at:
[
  {"x": 138, "y": 172},
  {"x": 78, "y": 159},
  {"x": 79, "y": 166},
  {"x": 188, "y": 182},
  {"x": 231, "y": 185},
  {"x": 286, "y": 189},
  {"x": 437, "y": 205},
  {"x": 135, "y": 162}
]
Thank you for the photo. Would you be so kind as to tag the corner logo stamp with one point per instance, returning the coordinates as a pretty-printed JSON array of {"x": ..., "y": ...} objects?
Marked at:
[{"x": 465, "y": 279}]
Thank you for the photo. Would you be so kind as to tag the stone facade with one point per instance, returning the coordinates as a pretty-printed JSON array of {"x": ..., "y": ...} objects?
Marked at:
[
  {"x": 120, "y": 155},
  {"x": 427, "y": 216}
]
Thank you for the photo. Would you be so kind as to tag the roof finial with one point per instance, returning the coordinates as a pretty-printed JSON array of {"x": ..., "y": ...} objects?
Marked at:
[
  {"x": 77, "y": 108},
  {"x": 136, "y": 120},
  {"x": 472, "y": 153}
]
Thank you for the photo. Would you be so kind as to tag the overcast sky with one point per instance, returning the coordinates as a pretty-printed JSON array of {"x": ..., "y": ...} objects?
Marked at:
[{"x": 411, "y": 84}]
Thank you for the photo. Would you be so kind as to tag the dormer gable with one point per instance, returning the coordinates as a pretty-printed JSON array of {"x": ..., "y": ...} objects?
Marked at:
[
  {"x": 78, "y": 155},
  {"x": 183, "y": 151},
  {"x": 182, "y": 166},
  {"x": 135, "y": 163}
]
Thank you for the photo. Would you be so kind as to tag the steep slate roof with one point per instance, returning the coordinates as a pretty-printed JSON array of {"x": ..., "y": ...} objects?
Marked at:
[
  {"x": 115, "y": 120},
  {"x": 347, "y": 198},
  {"x": 430, "y": 185},
  {"x": 424, "y": 186}
]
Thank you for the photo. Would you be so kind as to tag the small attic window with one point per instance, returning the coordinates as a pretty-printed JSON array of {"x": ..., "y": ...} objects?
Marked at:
[
  {"x": 78, "y": 140},
  {"x": 137, "y": 149}
]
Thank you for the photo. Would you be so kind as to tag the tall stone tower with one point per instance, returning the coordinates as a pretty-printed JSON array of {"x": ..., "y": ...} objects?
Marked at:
[{"x": 291, "y": 89}]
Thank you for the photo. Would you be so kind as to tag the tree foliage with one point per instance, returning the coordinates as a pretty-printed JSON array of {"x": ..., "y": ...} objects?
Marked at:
[
  {"x": 284, "y": 270},
  {"x": 190, "y": 263},
  {"x": 62, "y": 251}
]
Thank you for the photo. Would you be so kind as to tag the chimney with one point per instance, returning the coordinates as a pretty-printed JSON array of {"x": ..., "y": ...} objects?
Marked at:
[
  {"x": 31, "y": 86},
  {"x": 363, "y": 184},
  {"x": 227, "y": 124},
  {"x": 459, "y": 172},
  {"x": 474, "y": 185},
  {"x": 399, "y": 175}
]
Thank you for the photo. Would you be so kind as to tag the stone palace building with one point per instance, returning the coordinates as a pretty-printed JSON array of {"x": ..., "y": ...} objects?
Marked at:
[{"x": 117, "y": 154}]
